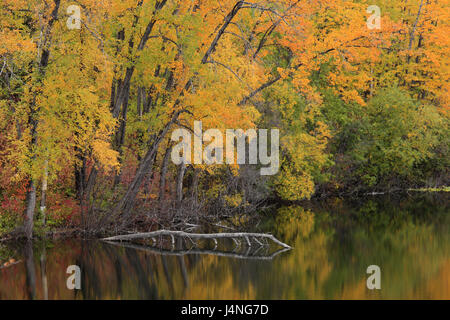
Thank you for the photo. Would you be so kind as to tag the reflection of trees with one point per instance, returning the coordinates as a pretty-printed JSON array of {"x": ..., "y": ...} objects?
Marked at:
[
  {"x": 405, "y": 238},
  {"x": 147, "y": 288},
  {"x": 108, "y": 272},
  {"x": 30, "y": 270},
  {"x": 333, "y": 245},
  {"x": 293, "y": 221},
  {"x": 249, "y": 254},
  {"x": 43, "y": 260},
  {"x": 409, "y": 240},
  {"x": 90, "y": 266}
]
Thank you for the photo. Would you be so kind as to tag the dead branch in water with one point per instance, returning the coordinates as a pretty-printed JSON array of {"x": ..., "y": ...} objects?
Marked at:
[
  {"x": 181, "y": 234},
  {"x": 198, "y": 251}
]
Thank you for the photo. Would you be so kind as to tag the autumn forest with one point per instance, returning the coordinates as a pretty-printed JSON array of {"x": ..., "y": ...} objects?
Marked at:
[{"x": 91, "y": 92}]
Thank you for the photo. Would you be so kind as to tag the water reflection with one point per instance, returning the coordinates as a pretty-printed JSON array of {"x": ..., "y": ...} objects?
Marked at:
[
  {"x": 333, "y": 244},
  {"x": 30, "y": 270}
]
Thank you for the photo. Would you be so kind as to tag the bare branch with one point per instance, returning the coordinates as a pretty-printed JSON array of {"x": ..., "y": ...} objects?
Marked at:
[{"x": 183, "y": 234}]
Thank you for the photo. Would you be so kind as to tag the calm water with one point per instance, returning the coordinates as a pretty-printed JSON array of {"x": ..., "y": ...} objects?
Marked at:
[{"x": 334, "y": 243}]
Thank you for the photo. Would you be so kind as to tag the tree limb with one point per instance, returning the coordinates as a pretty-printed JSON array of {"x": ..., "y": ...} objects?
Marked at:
[{"x": 183, "y": 234}]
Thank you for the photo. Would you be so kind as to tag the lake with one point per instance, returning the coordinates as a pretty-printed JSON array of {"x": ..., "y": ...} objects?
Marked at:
[{"x": 333, "y": 242}]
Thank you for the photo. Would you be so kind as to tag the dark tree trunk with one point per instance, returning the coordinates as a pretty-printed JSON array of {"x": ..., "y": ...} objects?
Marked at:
[
  {"x": 84, "y": 201},
  {"x": 29, "y": 211},
  {"x": 139, "y": 102},
  {"x": 164, "y": 167},
  {"x": 120, "y": 136},
  {"x": 194, "y": 184},
  {"x": 44, "y": 194},
  {"x": 180, "y": 178},
  {"x": 80, "y": 176}
]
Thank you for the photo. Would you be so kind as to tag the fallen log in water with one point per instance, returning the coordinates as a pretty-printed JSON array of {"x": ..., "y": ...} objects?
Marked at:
[
  {"x": 214, "y": 236},
  {"x": 181, "y": 253}
]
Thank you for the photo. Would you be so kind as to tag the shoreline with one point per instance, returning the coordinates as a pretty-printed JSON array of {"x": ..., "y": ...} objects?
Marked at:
[{"x": 78, "y": 233}]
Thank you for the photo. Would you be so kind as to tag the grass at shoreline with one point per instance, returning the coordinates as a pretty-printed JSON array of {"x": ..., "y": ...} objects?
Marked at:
[{"x": 440, "y": 189}]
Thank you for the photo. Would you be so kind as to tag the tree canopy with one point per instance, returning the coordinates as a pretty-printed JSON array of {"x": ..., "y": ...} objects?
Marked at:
[{"x": 88, "y": 111}]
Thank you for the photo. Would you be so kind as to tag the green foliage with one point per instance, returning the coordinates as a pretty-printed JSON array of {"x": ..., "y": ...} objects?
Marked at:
[
  {"x": 387, "y": 143},
  {"x": 8, "y": 221}
]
